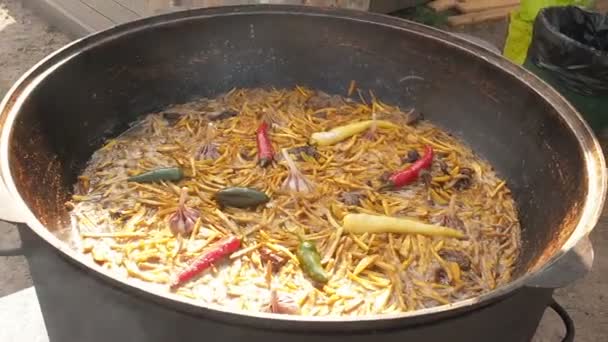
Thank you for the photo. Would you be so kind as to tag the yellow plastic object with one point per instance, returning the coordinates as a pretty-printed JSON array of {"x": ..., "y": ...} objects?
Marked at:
[{"x": 521, "y": 24}]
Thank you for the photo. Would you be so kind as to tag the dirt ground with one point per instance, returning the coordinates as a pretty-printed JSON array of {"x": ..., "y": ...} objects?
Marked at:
[{"x": 25, "y": 39}]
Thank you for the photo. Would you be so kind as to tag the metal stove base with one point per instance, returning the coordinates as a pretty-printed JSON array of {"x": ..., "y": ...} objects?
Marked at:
[{"x": 79, "y": 307}]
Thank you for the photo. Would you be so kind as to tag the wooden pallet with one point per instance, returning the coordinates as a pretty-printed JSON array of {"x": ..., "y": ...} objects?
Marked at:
[
  {"x": 81, "y": 17},
  {"x": 475, "y": 11}
]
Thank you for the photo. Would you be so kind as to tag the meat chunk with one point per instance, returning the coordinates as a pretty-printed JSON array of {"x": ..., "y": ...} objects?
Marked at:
[
  {"x": 172, "y": 117},
  {"x": 441, "y": 277},
  {"x": 282, "y": 304},
  {"x": 426, "y": 177},
  {"x": 458, "y": 257},
  {"x": 385, "y": 176},
  {"x": 466, "y": 171},
  {"x": 308, "y": 150},
  {"x": 222, "y": 115},
  {"x": 413, "y": 117},
  {"x": 443, "y": 166},
  {"x": 452, "y": 221},
  {"x": 464, "y": 179},
  {"x": 405, "y": 119},
  {"x": 323, "y": 100},
  {"x": 245, "y": 154},
  {"x": 463, "y": 183},
  {"x": 269, "y": 256},
  {"x": 208, "y": 152},
  {"x": 321, "y": 115},
  {"x": 352, "y": 197},
  {"x": 411, "y": 157}
]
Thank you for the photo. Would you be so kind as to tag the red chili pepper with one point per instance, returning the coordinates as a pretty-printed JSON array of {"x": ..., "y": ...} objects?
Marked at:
[
  {"x": 265, "y": 151},
  {"x": 222, "y": 249},
  {"x": 411, "y": 173}
]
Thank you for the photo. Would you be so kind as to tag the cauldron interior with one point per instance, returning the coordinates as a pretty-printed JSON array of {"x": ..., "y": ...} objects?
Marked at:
[{"x": 95, "y": 93}]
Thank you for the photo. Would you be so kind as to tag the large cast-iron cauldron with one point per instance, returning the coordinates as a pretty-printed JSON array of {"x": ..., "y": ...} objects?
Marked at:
[{"x": 65, "y": 107}]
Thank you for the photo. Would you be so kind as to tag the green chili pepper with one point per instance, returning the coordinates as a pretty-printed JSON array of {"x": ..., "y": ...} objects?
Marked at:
[
  {"x": 310, "y": 260},
  {"x": 162, "y": 174},
  {"x": 240, "y": 197}
]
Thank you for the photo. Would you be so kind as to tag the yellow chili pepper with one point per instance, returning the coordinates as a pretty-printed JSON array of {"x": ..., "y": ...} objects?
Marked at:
[
  {"x": 366, "y": 223},
  {"x": 344, "y": 132}
]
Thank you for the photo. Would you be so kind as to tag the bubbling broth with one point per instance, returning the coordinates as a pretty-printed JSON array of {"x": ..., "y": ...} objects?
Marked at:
[{"x": 294, "y": 201}]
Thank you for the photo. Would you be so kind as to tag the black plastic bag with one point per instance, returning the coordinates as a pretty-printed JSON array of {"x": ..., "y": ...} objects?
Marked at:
[{"x": 572, "y": 44}]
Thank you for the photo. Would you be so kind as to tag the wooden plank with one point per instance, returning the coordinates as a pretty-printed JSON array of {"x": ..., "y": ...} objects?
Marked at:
[
  {"x": 482, "y": 5},
  {"x": 601, "y": 6},
  {"x": 478, "y": 17},
  {"x": 112, "y": 10},
  {"x": 442, "y": 5},
  {"x": 389, "y": 6}
]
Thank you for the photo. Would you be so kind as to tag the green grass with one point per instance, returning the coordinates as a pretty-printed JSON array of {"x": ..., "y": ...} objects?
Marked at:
[{"x": 424, "y": 15}]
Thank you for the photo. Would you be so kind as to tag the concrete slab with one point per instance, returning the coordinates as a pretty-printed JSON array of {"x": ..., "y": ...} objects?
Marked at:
[
  {"x": 21, "y": 318},
  {"x": 81, "y": 17}
]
